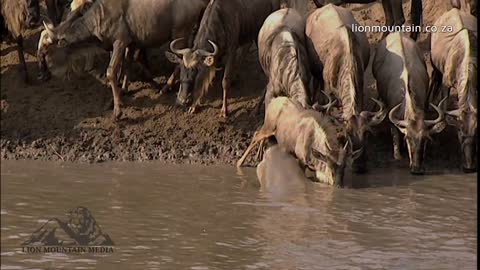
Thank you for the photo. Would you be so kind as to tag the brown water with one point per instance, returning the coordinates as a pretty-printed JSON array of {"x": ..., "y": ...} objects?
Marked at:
[{"x": 187, "y": 217}]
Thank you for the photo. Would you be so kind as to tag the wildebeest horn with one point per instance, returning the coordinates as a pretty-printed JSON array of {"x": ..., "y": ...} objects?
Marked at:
[
  {"x": 49, "y": 29},
  {"x": 394, "y": 120},
  {"x": 178, "y": 51},
  {"x": 441, "y": 114},
  {"x": 376, "y": 117},
  {"x": 206, "y": 53},
  {"x": 327, "y": 106}
]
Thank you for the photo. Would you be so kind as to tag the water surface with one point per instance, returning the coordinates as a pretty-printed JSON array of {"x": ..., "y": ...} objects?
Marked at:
[{"x": 189, "y": 217}]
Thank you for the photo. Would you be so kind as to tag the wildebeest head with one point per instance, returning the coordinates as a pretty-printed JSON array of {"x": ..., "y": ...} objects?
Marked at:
[
  {"x": 329, "y": 156},
  {"x": 417, "y": 130},
  {"x": 33, "y": 13},
  {"x": 358, "y": 125},
  {"x": 197, "y": 68},
  {"x": 466, "y": 123}
]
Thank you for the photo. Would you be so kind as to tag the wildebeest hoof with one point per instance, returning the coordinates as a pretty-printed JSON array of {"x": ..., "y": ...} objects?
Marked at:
[
  {"x": 469, "y": 170},
  {"x": 43, "y": 76},
  {"x": 165, "y": 89},
  {"x": 192, "y": 109},
  {"x": 397, "y": 156},
  {"x": 117, "y": 113}
]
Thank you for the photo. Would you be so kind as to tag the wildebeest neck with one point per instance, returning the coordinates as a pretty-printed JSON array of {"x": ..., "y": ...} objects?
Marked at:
[{"x": 212, "y": 27}]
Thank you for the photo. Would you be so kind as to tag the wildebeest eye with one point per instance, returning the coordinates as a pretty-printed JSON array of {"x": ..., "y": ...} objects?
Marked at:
[{"x": 62, "y": 42}]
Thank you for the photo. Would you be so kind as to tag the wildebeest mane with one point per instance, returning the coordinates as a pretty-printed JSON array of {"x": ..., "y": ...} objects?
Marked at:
[
  {"x": 14, "y": 13},
  {"x": 468, "y": 101},
  {"x": 349, "y": 81}
]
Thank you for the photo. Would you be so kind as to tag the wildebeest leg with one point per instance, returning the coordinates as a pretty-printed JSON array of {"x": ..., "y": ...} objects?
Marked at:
[
  {"x": 118, "y": 55},
  {"x": 257, "y": 137},
  {"x": 387, "y": 9},
  {"x": 227, "y": 74},
  {"x": 171, "y": 80},
  {"x": 260, "y": 102},
  {"x": 21, "y": 58},
  {"x": 396, "y": 143},
  {"x": 127, "y": 63}
]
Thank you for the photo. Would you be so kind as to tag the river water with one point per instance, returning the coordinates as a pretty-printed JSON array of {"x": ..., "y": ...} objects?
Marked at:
[{"x": 188, "y": 217}]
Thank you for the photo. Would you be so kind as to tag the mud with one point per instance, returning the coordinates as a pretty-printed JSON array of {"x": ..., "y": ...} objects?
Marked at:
[{"x": 69, "y": 119}]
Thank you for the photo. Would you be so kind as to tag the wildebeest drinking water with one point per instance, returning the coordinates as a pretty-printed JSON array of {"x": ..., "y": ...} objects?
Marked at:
[
  {"x": 122, "y": 24},
  {"x": 339, "y": 57},
  {"x": 454, "y": 59},
  {"x": 402, "y": 83},
  {"x": 16, "y": 16},
  {"x": 312, "y": 137},
  {"x": 283, "y": 57}
]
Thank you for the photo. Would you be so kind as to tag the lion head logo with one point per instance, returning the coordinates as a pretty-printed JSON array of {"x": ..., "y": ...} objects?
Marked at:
[{"x": 81, "y": 228}]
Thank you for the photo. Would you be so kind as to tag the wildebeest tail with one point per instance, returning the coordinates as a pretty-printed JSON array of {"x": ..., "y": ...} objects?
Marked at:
[
  {"x": 416, "y": 11},
  {"x": 300, "y": 5}
]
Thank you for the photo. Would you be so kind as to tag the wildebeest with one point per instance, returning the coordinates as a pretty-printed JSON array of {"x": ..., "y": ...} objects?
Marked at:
[
  {"x": 16, "y": 16},
  {"x": 454, "y": 58},
  {"x": 402, "y": 83},
  {"x": 338, "y": 59},
  {"x": 225, "y": 27},
  {"x": 392, "y": 8},
  {"x": 309, "y": 135},
  {"x": 283, "y": 57},
  {"x": 279, "y": 172},
  {"x": 122, "y": 24}
]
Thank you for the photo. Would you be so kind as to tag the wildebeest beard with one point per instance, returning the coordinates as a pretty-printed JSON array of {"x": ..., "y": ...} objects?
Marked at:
[{"x": 203, "y": 81}]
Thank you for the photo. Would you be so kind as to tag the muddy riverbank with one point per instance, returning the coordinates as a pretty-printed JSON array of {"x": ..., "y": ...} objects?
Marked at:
[{"x": 68, "y": 120}]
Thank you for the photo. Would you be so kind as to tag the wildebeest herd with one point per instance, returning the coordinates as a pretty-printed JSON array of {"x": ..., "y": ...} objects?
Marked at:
[{"x": 314, "y": 99}]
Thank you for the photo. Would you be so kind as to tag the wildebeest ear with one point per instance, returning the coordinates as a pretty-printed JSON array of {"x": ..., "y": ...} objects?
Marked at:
[
  {"x": 209, "y": 60},
  {"x": 173, "y": 58}
]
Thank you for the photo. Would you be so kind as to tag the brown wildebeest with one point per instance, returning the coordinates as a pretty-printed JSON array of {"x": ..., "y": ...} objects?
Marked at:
[
  {"x": 122, "y": 24},
  {"x": 454, "y": 58},
  {"x": 338, "y": 59},
  {"x": 402, "y": 83},
  {"x": 392, "y": 8},
  {"x": 16, "y": 16},
  {"x": 309, "y": 135},
  {"x": 283, "y": 57}
]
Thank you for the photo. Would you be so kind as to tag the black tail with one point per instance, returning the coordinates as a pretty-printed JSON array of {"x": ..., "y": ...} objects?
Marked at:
[{"x": 416, "y": 11}]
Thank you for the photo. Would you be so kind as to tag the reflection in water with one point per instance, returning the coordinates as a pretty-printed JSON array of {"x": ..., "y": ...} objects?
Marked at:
[{"x": 186, "y": 217}]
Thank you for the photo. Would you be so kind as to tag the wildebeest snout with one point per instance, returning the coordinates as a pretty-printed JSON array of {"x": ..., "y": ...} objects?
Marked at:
[{"x": 184, "y": 98}]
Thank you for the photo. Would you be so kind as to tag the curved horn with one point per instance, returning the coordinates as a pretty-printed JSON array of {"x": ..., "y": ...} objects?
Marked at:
[
  {"x": 440, "y": 118},
  {"x": 375, "y": 117},
  {"x": 178, "y": 51},
  {"x": 49, "y": 29},
  {"x": 327, "y": 106},
  {"x": 394, "y": 120},
  {"x": 206, "y": 53}
]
